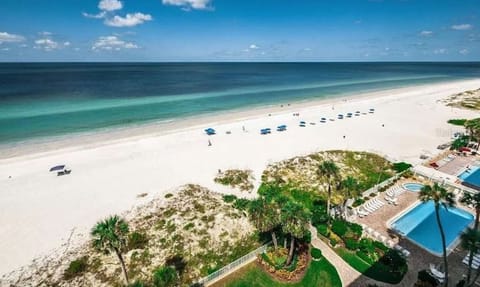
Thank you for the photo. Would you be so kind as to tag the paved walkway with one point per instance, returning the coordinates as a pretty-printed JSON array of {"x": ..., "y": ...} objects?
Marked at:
[{"x": 347, "y": 274}]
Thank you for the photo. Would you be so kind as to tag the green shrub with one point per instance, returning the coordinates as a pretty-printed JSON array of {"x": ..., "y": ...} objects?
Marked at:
[
  {"x": 76, "y": 268},
  {"x": 168, "y": 195},
  {"x": 359, "y": 201},
  {"x": 401, "y": 166},
  {"x": 351, "y": 244},
  {"x": 229, "y": 198},
  {"x": 316, "y": 253},
  {"x": 137, "y": 240},
  {"x": 307, "y": 237},
  {"x": 425, "y": 277},
  {"x": 333, "y": 242},
  {"x": 137, "y": 284},
  {"x": 356, "y": 229},
  {"x": 366, "y": 245},
  {"x": 323, "y": 230},
  {"x": 339, "y": 227},
  {"x": 164, "y": 276},
  {"x": 380, "y": 246},
  {"x": 241, "y": 203}
]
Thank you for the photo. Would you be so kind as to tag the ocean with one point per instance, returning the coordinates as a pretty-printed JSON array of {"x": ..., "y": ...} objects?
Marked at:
[{"x": 47, "y": 100}]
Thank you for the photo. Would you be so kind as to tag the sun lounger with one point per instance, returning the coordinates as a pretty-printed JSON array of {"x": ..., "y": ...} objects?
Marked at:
[{"x": 362, "y": 213}]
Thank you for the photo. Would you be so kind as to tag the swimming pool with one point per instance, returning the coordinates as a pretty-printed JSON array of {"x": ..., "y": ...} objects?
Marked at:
[
  {"x": 419, "y": 225},
  {"x": 468, "y": 172},
  {"x": 471, "y": 177},
  {"x": 412, "y": 186}
]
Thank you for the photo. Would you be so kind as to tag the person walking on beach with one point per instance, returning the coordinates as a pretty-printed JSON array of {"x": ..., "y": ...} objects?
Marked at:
[{"x": 209, "y": 143}]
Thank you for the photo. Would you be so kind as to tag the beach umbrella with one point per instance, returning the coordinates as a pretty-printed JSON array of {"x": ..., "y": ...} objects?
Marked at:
[{"x": 57, "y": 167}]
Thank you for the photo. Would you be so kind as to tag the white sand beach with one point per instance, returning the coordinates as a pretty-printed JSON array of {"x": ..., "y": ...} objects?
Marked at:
[{"x": 39, "y": 211}]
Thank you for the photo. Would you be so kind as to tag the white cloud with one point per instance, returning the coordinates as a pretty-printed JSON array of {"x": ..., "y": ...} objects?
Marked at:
[
  {"x": 5, "y": 49},
  {"x": 462, "y": 27},
  {"x": 440, "y": 51},
  {"x": 23, "y": 45},
  {"x": 110, "y": 5},
  {"x": 188, "y": 4},
  {"x": 129, "y": 20},
  {"x": 110, "y": 43},
  {"x": 66, "y": 44},
  {"x": 254, "y": 47},
  {"x": 10, "y": 38},
  {"x": 95, "y": 16},
  {"x": 464, "y": 51},
  {"x": 307, "y": 49},
  {"x": 426, "y": 33},
  {"x": 46, "y": 44}
]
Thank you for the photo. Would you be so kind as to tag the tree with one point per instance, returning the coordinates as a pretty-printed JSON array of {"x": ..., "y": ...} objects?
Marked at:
[
  {"x": 470, "y": 240},
  {"x": 441, "y": 198},
  {"x": 473, "y": 127},
  {"x": 472, "y": 199},
  {"x": 265, "y": 216},
  {"x": 294, "y": 220},
  {"x": 164, "y": 276},
  {"x": 350, "y": 188},
  {"x": 328, "y": 170},
  {"x": 110, "y": 235}
]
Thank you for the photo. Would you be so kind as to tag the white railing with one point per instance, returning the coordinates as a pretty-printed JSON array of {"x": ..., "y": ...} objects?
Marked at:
[
  {"x": 445, "y": 182},
  {"x": 210, "y": 278},
  {"x": 386, "y": 182}
]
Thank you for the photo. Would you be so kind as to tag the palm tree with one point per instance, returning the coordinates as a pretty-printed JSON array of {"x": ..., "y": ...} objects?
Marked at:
[
  {"x": 349, "y": 187},
  {"x": 265, "y": 216},
  {"x": 473, "y": 127},
  {"x": 328, "y": 170},
  {"x": 471, "y": 242},
  {"x": 110, "y": 235},
  {"x": 294, "y": 220},
  {"x": 472, "y": 199},
  {"x": 441, "y": 198}
]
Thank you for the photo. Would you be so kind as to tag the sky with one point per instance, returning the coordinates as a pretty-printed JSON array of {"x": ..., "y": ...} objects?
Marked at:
[{"x": 239, "y": 30}]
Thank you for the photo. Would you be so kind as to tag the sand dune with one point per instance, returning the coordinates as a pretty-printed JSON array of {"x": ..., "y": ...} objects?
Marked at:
[{"x": 39, "y": 210}]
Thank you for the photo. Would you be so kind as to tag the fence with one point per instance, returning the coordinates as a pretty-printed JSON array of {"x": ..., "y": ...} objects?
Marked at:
[
  {"x": 376, "y": 187},
  {"x": 445, "y": 182},
  {"x": 209, "y": 279}
]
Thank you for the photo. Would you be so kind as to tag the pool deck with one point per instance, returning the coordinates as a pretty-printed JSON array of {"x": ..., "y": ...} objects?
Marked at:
[{"x": 419, "y": 258}]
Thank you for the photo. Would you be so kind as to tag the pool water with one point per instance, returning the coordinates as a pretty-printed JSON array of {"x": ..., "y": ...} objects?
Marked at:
[
  {"x": 471, "y": 177},
  {"x": 468, "y": 172},
  {"x": 420, "y": 226},
  {"x": 415, "y": 187}
]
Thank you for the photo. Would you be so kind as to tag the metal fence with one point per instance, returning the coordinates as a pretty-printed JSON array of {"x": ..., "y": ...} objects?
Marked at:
[{"x": 232, "y": 266}]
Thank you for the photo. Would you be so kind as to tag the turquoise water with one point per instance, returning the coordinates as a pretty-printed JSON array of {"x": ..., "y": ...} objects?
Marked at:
[
  {"x": 415, "y": 187},
  {"x": 468, "y": 172},
  {"x": 420, "y": 226},
  {"x": 472, "y": 178},
  {"x": 41, "y": 100}
]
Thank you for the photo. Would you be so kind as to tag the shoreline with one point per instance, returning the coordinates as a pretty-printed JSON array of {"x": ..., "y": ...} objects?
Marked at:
[
  {"x": 42, "y": 146},
  {"x": 107, "y": 176}
]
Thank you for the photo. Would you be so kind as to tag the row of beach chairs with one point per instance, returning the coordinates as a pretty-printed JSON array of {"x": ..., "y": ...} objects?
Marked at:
[
  {"x": 370, "y": 207},
  {"x": 388, "y": 242},
  {"x": 475, "y": 262}
]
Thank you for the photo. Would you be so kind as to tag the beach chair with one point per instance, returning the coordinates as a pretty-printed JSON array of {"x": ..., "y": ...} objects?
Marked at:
[{"x": 362, "y": 213}]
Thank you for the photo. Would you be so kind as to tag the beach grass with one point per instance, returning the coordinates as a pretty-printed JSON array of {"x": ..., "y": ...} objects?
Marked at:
[{"x": 319, "y": 273}]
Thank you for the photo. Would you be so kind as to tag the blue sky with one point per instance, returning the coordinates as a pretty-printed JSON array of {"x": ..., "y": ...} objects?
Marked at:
[{"x": 228, "y": 30}]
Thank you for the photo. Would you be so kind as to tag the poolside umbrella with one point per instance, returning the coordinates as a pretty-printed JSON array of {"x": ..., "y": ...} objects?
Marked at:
[{"x": 57, "y": 167}]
